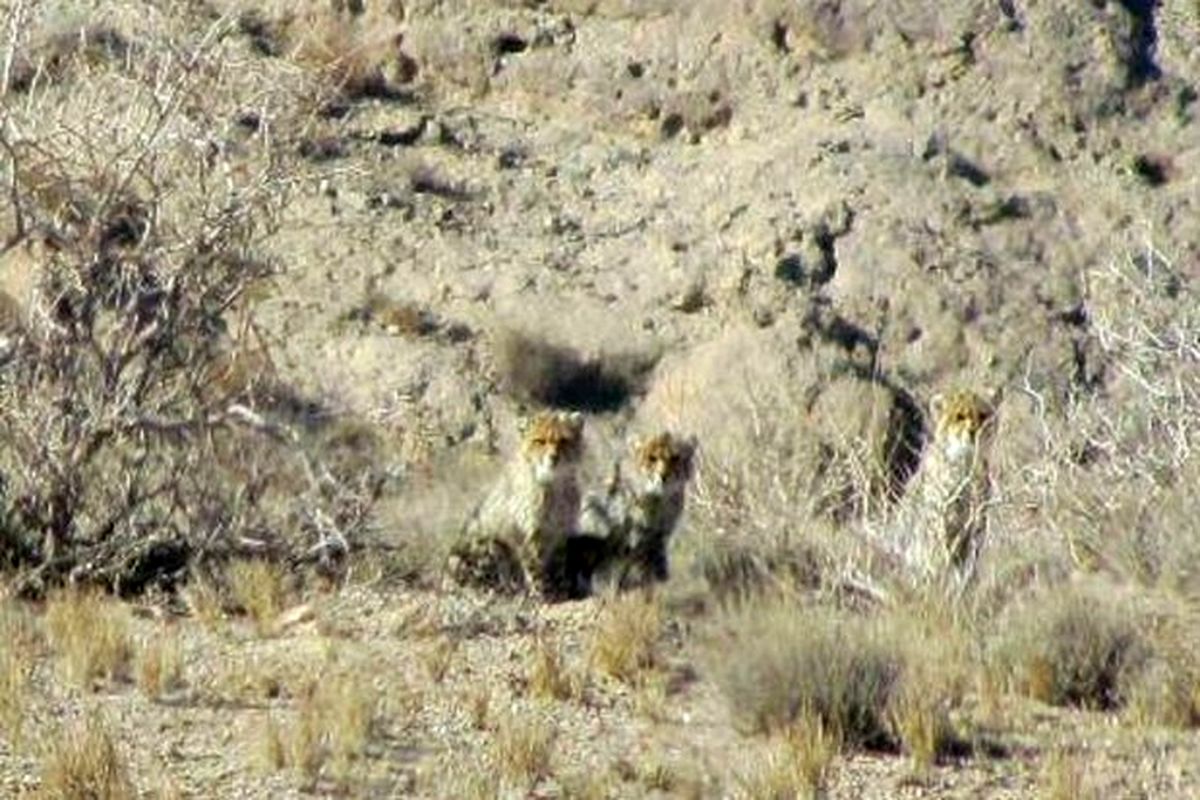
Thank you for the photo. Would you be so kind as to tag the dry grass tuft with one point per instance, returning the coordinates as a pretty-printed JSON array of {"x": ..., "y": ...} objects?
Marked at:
[
  {"x": 204, "y": 601},
  {"x": 160, "y": 663},
  {"x": 938, "y": 668},
  {"x": 797, "y": 764},
  {"x": 258, "y": 587},
  {"x": 549, "y": 677},
  {"x": 439, "y": 657},
  {"x": 650, "y": 701},
  {"x": 272, "y": 754},
  {"x": 336, "y": 718},
  {"x": 90, "y": 633},
  {"x": 587, "y": 785},
  {"x": 522, "y": 748},
  {"x": 1166, "y": 692},
  {"x": 85, "y": 762},
  {"x": 470, "y": 779},
  {"x": 922, "y": 721},
  {"x": 626, "y": 636},
  {"x": 478, "y": 706},
  {"x": 17, "y": 661},
  {"x": 1065, "y": 778}
]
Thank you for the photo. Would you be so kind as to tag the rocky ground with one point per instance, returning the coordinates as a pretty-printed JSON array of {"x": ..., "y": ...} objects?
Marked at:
[{"x": 779, "y": 226}]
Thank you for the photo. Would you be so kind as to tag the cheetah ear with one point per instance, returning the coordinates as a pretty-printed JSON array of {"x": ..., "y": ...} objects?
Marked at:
[{"x": 575, "y": 420}]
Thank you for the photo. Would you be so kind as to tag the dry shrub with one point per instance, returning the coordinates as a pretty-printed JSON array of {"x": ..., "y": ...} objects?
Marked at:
[
  {"x": 626, "y": 636},
  {"x": 587, "y": 784},
  {"x": 130, "y": 445},
  {"x": 1166, "y": 692},
  {"x": 272, "y": 754},
  {"x": 797, "y": 455},
  {"x": 1098, "y": 477},
  {"x": 478, "y": 704},
  {"x": 1065, "y": 777},
  {"x": 549, "y": 677},
  {"x": 797, "y": 763},
  {"x": 336, "y": 718},
  {"x": 83, "y": 761},
  {"x": 17, "y": 662},
  {"x": 439, "y": 657},
  {"x": 257, "y": 586},
  {"x": 354, "y": 50},
  {"x": 1076, "y": 646},
  {"x": 522, "y": 747},
  {"x": 160, "y": 663},
  {"x": 202, "y": 595},
  {"x": 869, "y": 681},
  {"x": 90, "y": 633}
]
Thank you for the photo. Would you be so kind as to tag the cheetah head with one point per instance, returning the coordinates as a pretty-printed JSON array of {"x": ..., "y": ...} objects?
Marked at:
[
  {"x": 663, "y": 464},
  {"x": 552, "y": 441},
  {"x": 960, "y": 417}
]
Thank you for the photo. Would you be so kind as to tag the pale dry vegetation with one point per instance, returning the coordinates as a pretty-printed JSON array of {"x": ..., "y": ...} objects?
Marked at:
[
  {"x": 159, "y": 663},
  {"x": 83, "y": 759},
  {"x": 325, "y": 737},
  {"x": 797, "y": 763},
  {"x": 522, "y": 747},
  {"x": 550, "y": 676},
  {"x": 625, "y": 642},
  {"x": 17, "y": 662},
  {"x": 783, "y": 663},
  {"x": 257, "y": 586},
  {"x": 142, "y": 240},
  {"x": 154, "y": 443},
  {"x": 90, "y": 634}
]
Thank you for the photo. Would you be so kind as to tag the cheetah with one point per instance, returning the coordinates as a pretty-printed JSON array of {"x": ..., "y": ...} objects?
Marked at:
[
  {"x": 945, "y": 508},
  {"x": 511, "y": 540},
  {"x": 625, "y": 528}
]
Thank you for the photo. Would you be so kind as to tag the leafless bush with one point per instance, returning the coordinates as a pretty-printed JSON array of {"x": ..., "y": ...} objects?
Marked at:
[{"x": 141, "y": 426}]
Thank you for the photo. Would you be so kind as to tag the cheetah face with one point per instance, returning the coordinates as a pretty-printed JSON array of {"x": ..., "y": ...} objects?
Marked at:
[
  {"x": 959, "y": 419},
  {"x": 552, "y": 441},
  {"x": 663, "y": 464}
]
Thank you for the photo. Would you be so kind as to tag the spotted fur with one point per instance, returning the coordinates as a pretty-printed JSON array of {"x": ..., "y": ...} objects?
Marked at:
[
  {"x": 947, "y": 502},
  {"x": 626, "y": 527},
  {"x": 514, "y": 537}
]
